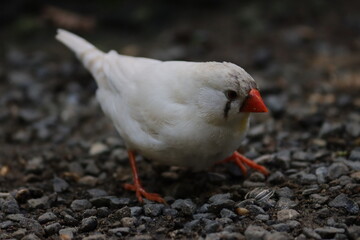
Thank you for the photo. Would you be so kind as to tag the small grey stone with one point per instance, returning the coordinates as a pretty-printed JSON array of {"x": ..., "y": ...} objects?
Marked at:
[
  {"x": 310, "y": 233},
  {"x": 220, "y": 196},
  {"x": 19, "y": 233},
  {"x": 110, "y": 201},
  {"x": 10, "y": 205},
  {"x": 15, "y": 217},
  {"x": 89, "y": 212},
  {"x": 31, "y": 236},
  {"x": 312, "y": 189},
  {"x": 224, "y": 235},
  {"x": 33, "y": 225},
  {"x": 52, "y": 228},
  {"x": 287, "y": 214},
  {"x": 47, "y": 217},
  {"x": 120, "y": 230},
  {"x": 96, "y": 236},
  {"x": 302, "y": 156},
  {"x": 355, "y": 155},
  {"x": 80, "y": 205},
  {"x": 328, "y": 232},
  {"x": 281, "y": 227},
  {"x": 189, "y": 226},
  {"x": 95, "y": 192},
  {"x": 256, "y": 131},
  {"x": 353, "y": 129},
  {"x": 354, "y": 231},
  {"x": 262, "y": 217},
  {"x": 70, "y": 220},
  {"x": 321, "y": 174},
  {"x": 285, "y": 192},
  {"x": 136, "y": 211},
  {"x": 128, "y": 221},
  {"x": 285, "y": 203},
  {"x": 256, "y": 177},
  {"x": 92, "y": 168},
  {"x": 342, "y": 201},
  {"x": 35, "y": 165},
  {"x": 293, "y": 224},
  {"x": 283, "y": 158},
  {"x": 185, "y": 206},
  {"x": 204, "y": 215},
  {"x": 42, "y": 202},
  {"x": 60, "y": 185},
  {"x": 122, "y": 212},
  {"x": 319, "y": 198},
  {"x": 88, "y": 224},
  {"x": 103, "y": 212},
  {"x": 211, "y": 226},
  {"x": 226, "y": 213},
  {"x": 220, "y": 201},
  {"x": 278, "y": 236},
  {"x": 153, "y": 209},
  {"x": 170, "y": 212},
  {"x": 336, "y": 170},
  {"x": 254, "y": 209},
  {"x": 354, "y": 165},
  {"x": 276, "y": 178},
  {"x": 253, "y": 232},
  {"x": 204, "y": 208},
  {"x": 328, "y": 129},
  {"x": 6, "y": 224}
]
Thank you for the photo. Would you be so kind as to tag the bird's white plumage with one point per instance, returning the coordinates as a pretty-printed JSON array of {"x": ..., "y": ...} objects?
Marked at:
[{"x": 171, "y": 112}]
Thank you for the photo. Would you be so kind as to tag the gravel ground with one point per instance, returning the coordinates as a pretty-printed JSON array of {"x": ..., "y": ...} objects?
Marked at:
[{"x": 62, "y": 164}]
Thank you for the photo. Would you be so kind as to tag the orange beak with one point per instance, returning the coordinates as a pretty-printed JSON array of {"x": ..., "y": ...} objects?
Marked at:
[{"x": 253, "y": 102}]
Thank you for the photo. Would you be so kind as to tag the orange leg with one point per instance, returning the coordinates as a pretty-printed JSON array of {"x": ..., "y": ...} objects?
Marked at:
[
  {"x": 140, "y": 191},
  {"x": 241, "y": 161}
]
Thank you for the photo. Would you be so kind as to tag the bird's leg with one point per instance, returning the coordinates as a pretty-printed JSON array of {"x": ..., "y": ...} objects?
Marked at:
[
  {"x": 140, "y": 191},
  {"x": 241, "y": 161}
]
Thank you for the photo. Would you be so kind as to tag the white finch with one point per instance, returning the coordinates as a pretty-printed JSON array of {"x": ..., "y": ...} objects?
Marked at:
[{"x": 190, "y": 114}]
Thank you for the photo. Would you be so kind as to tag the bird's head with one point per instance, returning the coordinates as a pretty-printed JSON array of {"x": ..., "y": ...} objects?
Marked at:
[{"x": 227, "y": 94}]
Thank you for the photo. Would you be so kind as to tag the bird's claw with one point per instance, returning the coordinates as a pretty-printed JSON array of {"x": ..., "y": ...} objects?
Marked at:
[
  {"x": 141, "y": 192},
  {"x": 241, "y": 161}
]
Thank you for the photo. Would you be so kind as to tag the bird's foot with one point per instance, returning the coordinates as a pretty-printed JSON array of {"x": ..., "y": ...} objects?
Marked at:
[
  {"x": 141, "y": 192},
  {"x": 241, "y": 161}
]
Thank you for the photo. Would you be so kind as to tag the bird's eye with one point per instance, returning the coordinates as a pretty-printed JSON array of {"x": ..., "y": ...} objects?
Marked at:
[{"x": 231, "y": 95}]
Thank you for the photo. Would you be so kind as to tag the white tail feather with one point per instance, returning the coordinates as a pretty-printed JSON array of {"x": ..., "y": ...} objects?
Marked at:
[{"x": 89, "y": 55}]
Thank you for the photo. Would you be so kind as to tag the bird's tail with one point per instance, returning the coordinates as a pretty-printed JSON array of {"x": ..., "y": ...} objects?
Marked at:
[{"x": 88, "y": 54}]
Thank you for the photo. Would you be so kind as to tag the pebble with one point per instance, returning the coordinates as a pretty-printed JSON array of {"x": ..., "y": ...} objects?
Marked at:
[
  {"x": 98, "y": 148},
  {"x": 70, "y": 220},
  {"x": 20, "y": 233},
  {"x": 136, "y": 211},
  {"x": 109, "y": 201},
  {"x": 60, "y": 185},
  {"x": 122, "y": 212},
  {"x": 328, "y": 129},
  {"x": 32, "y": 225},
  {"x": 287, "y": 214},
  {"x": 356, "y": 176},
  {"x": 319, "y": 198},
  {"x": 42, "y": 202},
  {"x": 80, "y": 205},
  {"x": 67, "y": 233},
  {"x": 10, "y": 205},
  {"x": 89, "y": 212},
  {"x": 35, "y": 165},
  {"x": 52, "y": 228},
  {"x": 342, "y": 201},
  {"x": 185, "y": 206},
  {"x": 88, "y": 180},
  {"x": 285, "y": 192},
  {"x": 170, "y": 212},
  {"x": 95, "y": 192},
  {"x": 88, "y": 224},
  {"x": 336, "y": 170},
  {"x": 220, "y": 201},
  {"x": 31, "y": 236},
  {"x": 103, "y": 212},
  {"x": 204, "y": 215},
  {"x": 253, "y": 232},
  {"x": 283, "y": 158},
  {"x": 224, "y": 235},
  {"x": 355, "y": 155},
  {"x": 276, "y": 178},
  {"x": 281, "y": 227},
  {"x": 226, "y": 213},
  {"x": 285, "y": 203},
  {"x": 321, "y": 174},
  {"x": 118, "y": 231},
  {"x": 153, "y": 209},
  {"x": 310, "y": 233},
  {"x": 211, "y": 226},
  {"x": 47, "y": 217},
  {"x": 128, "y": 221},
  {"x": 328, "y": 232},
  {"x": 242, "y": 211}
]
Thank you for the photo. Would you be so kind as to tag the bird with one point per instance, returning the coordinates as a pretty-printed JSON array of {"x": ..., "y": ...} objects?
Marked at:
[{"x": 177, "y": 113}]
